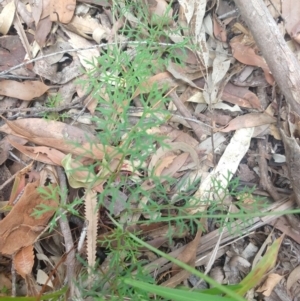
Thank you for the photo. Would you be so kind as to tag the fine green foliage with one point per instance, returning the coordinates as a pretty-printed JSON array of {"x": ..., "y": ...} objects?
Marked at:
[
  {"x": 53, "y": 101},
  {"x": 165, "y": 291},
  {"x": 121, "y": 73}
]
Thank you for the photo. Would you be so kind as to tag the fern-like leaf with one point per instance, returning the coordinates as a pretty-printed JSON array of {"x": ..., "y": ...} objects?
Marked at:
[{"x": 91, "y": 215}]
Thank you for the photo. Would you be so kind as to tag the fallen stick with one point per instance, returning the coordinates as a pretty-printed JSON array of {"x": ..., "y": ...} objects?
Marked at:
[{"x": 282, "y": 62}]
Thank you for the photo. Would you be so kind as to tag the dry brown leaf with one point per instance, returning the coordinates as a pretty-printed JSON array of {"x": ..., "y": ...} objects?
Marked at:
[
  {"x": 290, "y": 13},
  {"x": 188, "y": 256},
  {"x": 42, "y": 30},
  {"x": 183, "y": 74},
  {"x": 12, "y": 53},
  {"x": 62, "y": 10},
  {"x": 160, "y": 80},
  {"x": 88, "y": 26},
  {"x": 269, "y": 284},
  {"x": 46, "y": 9},
  {"x": 58, "y": 135},
  {"x": 19, "y": 184},
  {"x": 248, "y": 120},
  {"x": 163, "y": 163},
  {"x": 243, "y": 34},
  {"x": 36, "y": 10},
  {"x": 176, "y": 279},
  {"x": 91, "y": 104},
  {"x": 19, "y": 228},
  {"x": 24, "y": 260},
  {"x": 293, "y": 278},
  {"x": 43, "y": 154},
  {"x": 23, "y": 37},
  {"x": 156, "y": 243},
  {"x": 175, "y": 165},
  {"x": 26, "y": 90},
  {"x": 172, "y": 147},
  {"x": 32, "y": 128},
  {"x": 183, "y": 137},
  {"x": 246, "y": 55},
  {"x": 236, "y": 95},
  {"x": 240, "y": 96},
  {"x": 188, "y": 56}
]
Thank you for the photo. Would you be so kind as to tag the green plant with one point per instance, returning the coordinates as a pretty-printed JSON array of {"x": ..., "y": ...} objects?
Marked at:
[
  {"x": 61, "y": 211},
  {"x": 121, "y": 74},
  {"x": 4, "y": 290},
  {"x": 52, "y": 102}
]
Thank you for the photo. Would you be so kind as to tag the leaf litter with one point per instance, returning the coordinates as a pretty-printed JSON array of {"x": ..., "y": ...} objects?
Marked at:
[{"x": 217, "y": 102}]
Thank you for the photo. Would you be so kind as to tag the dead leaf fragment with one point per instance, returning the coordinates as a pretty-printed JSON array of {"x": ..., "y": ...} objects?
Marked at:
[
  {"x": 42, "y": 31},
  {"x": 62, "y": 11},
  {"x": 248, "y": 121},
  {"x": 12, "y": 53},
  {"x": 293, "y": 278},
  {"x": 56, "y": 134},
  {"x": 160, "y": 80},
  {"x": 36, "y": 10},
  {"x": 24, "y": 260},
  {"x": 188, "y": 256},
  {"x": 26, "y": 90},
  {"x": 245, "y": 54},
  {"x": 23, "y": 37},
  {"x": 269, "y": 284},
  {"x": 6, "y": 17},
  {"x": 19, "y": 228},
  {"x": 240, "y": 96},
  {"x": 43, "y": 154},
  {"x": 290, "y": 12}
]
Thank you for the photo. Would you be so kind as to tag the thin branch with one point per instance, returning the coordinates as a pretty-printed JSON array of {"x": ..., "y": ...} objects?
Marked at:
[
  {"x": 66, "y": 231},
  {"x": 77, "y": 50}
]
